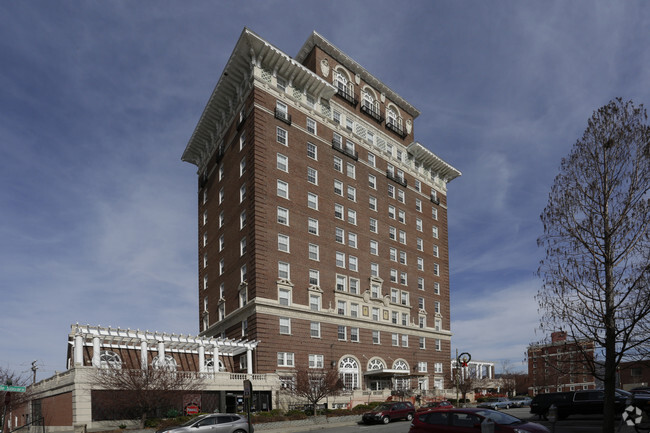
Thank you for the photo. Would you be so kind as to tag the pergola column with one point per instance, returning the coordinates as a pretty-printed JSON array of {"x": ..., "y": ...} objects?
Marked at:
[
  {"x": 78, "y": 349},
  {"x": 249, "y": 360},
  {"x": 96, "y": 352},
  {"x": 215, "y": 358},
  {"x": 144, "y": 355},
  {"x": 201, "y": 358}
]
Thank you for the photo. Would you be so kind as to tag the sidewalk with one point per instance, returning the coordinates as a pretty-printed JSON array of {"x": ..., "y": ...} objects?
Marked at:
[{"x": 309, "y": 424}]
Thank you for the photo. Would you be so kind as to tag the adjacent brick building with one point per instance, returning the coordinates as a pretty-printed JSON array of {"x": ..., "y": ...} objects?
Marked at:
[
  {"x": 560, "y": 365},
  {"x": 322, "y": 222}
]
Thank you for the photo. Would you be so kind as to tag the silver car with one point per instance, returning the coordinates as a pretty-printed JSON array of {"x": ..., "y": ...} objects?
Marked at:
[{"x": 212, "y": 423}]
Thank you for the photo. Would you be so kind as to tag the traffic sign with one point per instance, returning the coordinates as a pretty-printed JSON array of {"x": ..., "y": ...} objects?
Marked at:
[{"x": 11, "y": 388}]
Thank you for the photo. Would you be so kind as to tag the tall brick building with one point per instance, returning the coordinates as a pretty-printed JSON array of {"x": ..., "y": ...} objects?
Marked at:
[{"x": 322, "y": 222}]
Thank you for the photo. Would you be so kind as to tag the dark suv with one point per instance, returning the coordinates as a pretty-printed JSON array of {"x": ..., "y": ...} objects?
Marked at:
[{"x": 386, "y": 412}]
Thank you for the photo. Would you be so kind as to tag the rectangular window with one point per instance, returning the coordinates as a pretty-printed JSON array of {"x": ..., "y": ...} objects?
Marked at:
[
  {"x": 436, "y": 253},
  {"x": 242, "y": 246},
  {"x": 351, "y": 170},
  {"x": 312, "y": 226},
  {"x": 312, "y": 175},
  {"x": 420, "y": 283},
  {"x": 435, "y": 231},
  {"x": 375, "y": 314},
  {"x": 354, "y": 286},
  {"x": 205, "y": 217},
  {"x": 405, "y": 319},
  {"x": 282, "y": 189},
  {"x": 436, "y": 269},
  {"x": 284, "y": 297},
  {"x": 314, "y": 329},
  {"x": 283, "y": 216},
  {"x": 338, "y": 187},
  {"x": 283, "y": 243},
  {"x": 284, "y": 271},
  {"x": 402, "y": 257},
  {"x": 394, "y": 295},
  {"x": 282, "y": 86},
  {"x": 352, "y": 216},
  {"x": 341, "y": 283},
  {"x": 436, "y": 288},
  {"x": 314, "y": 277},
  {"x": 242, "y": 137},
  {"x": 418, "y": 185},
  {"x": 311, "y": 126},
  {"x": 339, "y": 235},
  {"x": 391, "y": 191},
  {"x": 338, "y": 164},
  {"x": 221, "y": 195},
  {"x": 375, "y": 293},
  {"x": 281, "y": 135},
  {"x": 393, "y": 254},
  {"x": 312, "y": 201},
  {"x": 437, "y": 368},
  {"x": 401, "y": 216},
  {"x": 394, "y": 318},
  {"x": 374, "y": 269},
  {"x": 402, "y": 236},
  {"x": 422, "y": 322},
  {"x": 340, "y": 259},
  {"x": 392, "y": 233},
  {"x": 372, "y": 181},
  {"x": 372, "y": 203},
  {"x": 354, "y": 335},
  {"x": 373, "y": 225},
  {"x": 285, "y": 325},
  {"x": 371, "y": 159},
  {"x": 242, "y": 219},
  {"x": 314, "y": 252},
  {"x": 316, "y": 361},
  {"x": 242, "y": 167},
  {"x": 285, "y": 359},
  {"x": 352, "y": 193},
  {"x": 312, "y": 151},
  {"x": 374, "y": 248},
  {"x": 400, "y": 194},
  {"x": 222, "y": 242},
  {"x": 434, "y": 213},
  {"x": 436, "y": 308},
  {"x": 421, "y": 303},
  {"x": 394, "y": 338},
  {"x": 340, "y": 308},
  {"x": 352, "y": 240},
  {"x": 354, "y": 310},
  {"x": 376, "y": 337},
  {"x": 391, "y": 212},
  {"x": 423, "y": 343},
  {"x": 405, "y": 341},
  {"x": 422, "y": 367},
  {"x": 242, "y": 193},
  {"x": 282, "y": 162},
  {"x": 418, "y": 205},
  {"x": 353, "y": 263},
  {"x": 338, "y": 211},
  {"x": 314, "y": 302},
  {"x": 342, "y": 333},
  {"x": 418, "y": 224},
  {"x": 420, "y": 264},
  {"x": 419, "y": 244}
]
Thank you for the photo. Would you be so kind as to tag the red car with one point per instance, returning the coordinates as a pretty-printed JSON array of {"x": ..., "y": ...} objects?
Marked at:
[
  {"x": 435, "y": 405},
  {"x": 457, "y": 420}
]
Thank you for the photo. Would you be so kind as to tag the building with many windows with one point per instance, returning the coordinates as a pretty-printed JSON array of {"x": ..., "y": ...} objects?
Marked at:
[
  {"x": 322, "y": 222},
  {"x": 561, "y": 365}
]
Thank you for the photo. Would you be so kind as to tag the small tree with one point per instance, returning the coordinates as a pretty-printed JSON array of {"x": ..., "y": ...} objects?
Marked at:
[
  {"x": 597, "y": 242},
  {"x": 314, "y": 384},
  {"x": 10, "y": 377},
  {"x": 144, "y": 391}
]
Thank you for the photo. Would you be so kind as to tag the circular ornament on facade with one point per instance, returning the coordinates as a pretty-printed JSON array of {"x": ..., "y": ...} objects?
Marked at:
[{"x": 325, "y": 67}]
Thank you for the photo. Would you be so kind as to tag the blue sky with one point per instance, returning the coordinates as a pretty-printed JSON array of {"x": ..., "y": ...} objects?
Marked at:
[{"x": 99, "y": 99}]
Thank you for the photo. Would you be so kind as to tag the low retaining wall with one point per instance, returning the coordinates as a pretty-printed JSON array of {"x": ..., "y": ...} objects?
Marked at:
[{"x": 314, "y": 420}]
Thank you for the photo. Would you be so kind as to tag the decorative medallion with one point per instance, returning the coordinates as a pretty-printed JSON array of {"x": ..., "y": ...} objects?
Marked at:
[{"x": 324, "y": 67}]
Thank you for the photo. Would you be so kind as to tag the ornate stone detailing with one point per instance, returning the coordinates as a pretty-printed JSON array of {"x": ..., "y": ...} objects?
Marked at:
[{"x": 325, "y": 68}]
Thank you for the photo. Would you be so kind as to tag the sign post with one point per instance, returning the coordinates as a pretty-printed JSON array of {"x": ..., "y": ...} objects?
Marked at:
[{"x": 248, "y": 398}]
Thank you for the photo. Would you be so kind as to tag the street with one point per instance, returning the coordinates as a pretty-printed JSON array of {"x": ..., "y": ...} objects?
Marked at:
[{"x": 574, "y": 424}]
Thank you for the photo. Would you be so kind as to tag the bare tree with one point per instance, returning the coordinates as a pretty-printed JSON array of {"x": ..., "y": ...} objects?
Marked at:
[
  {"x": 597, "y": 242},
  {"x": 314, "y": 385},
  {"x": 10, "y": 377},
  {"x": 144, "y": 391},
  {"x": 466, "y": 385}
]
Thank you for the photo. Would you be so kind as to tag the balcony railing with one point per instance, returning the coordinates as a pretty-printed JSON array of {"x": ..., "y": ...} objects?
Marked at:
[
  {"x": 372, "y": 113},
  {"x": 336, "y": 145},
  {"x": 283, "y": 116},
  {"x": 347, "y": 96},
  {"x": 397, "y": 179},
  {"x": 391, "y": 126}
]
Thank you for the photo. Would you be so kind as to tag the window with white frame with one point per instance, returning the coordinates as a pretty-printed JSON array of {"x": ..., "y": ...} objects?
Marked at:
[
  {"x": 314, "y": 252},
  {"x": 394, "y": 295},
  {"x": 372, "y": 181},
  {"x": 312, "y": 175},
  {"x": 282, "y": 189},
  {"x": 281, "y": 135},
  {"x": 401, "y": 216},
  {"x": 283, "y": 243},
  {"x": 435, "y": 231},
  {"x": 242, "y": 193},
  {"x": 436, "y": 288},
  {"x": 423, "y": 343},
  {"x": 281, "y": 84},
  {"x": 242, "y": 167},
  {"x": 436, "y": 269},
  {"x": 402, "y": 236},
  {"x": 422, "y": 366},
  {"x": 353, "y": 263},
  {"x": 282, "y": 162},
  {"x": 284, "y": 271},
  {"x": 338, "y": 211},
  {"x": 284, "y": 296},
  {"x": 436, "y": 308},
  {"x": 418, "y": 185},
  {"x": 316, "y": 361},
  {"x": 402, "y": 257},
  {"x": 419, "y": 244},
  {"x": 436, "y": 252},
  {"x": 242, "y": 246},
  {"x": 421, "y": 303},
  {"x": 375, "y": 314},
  {"x": 420, "y": 283},
  {"x": 222, "y": 242},
  {"x": 373, "y": 225},
  {"x": 404, "y": 297},
  {"x": 354, "y": 310},
  {"x": 420, "y": 264},
  {"x": 314, "y": 329},
  {"x": 222, "y": 219},
  {"x": 405, "y": 340},
  {"x": 352, "y": 240},
  {"x": 205, "y": 217},
  {"x": 205, "y": 282},
  {"x": 342, "y": 333},
  {"x": 394, "y": 318},
  {"x": 222, "y": 266},
  {"x": 351, "y": 170},
  {"x": 242, "y": 139},
  {"x": 375, "y": 292},
  {"x": 354, "y": 286},
  {"x": 391, "y": 190},
  {"x": 352, "y": 216},
  {"x": 338, "y": 164},
  {"x": 243, "y": 275},
  {"x": 339, "y": 235},
  {"x": 376, "y": 337},
  {"x": 338, "y": 187},
  {"x": 400, "y": 193},
  {"x": 434, "y": 213},
  {"x": 314, "y": 302},
  {"x": 340, "y": 259},
  {"x": 352, "y": 193},
  {"x": 312, "y": 151},
  {"x": 374, "y": 269},
  {"x": 283, "y": 216},
  {"x": 372, "y": 159},
  {"x": 392, "y": 233},
  {"x": 354, "y": 334},
  {"x": 437, "y": 367},
  {"x": 422, "y": 322},
  {"x": 285, "y": 359},
  {"x": 314, "y": 277},
  {"x": 418, "y": 224},
  {"x": 312, "y": 226},
  {"x": 312, "y": 201},
  {"x": 341, "y": 307},
  {"x": 374, "y": 247},
  {"x": 221, "y": 195},
  {"x": 393, "y": 275},
  {"x": 438, "y": 324},
  {"x": 418, "y": 205},
  {"x": 285, "y": 325},
  {"x": 394, "y": 338},
  {"x": 391, "y": 212},
  {"x": 311, "y": 125},
  {"x": 341, "y": 283},
  {"x": 403, "y": 278}
]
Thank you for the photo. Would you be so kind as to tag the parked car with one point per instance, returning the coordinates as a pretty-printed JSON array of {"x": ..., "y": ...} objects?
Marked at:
[
  {"x": 521, "y": 401},
  {"x": 435, "y": 405},
  {"x": 454, "y": 420},
  {"x": 213, "y": 423},
  {"x": 496, "y": 403},
  {"x": 584, "y": 402},
  {"x": 386, "y": 412}
]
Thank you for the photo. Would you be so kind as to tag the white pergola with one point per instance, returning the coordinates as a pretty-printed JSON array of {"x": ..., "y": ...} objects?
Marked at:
[{"x": 99, "y": 338}]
